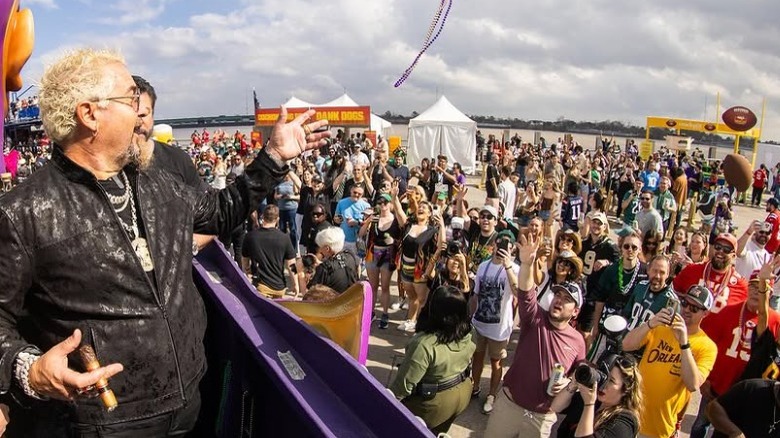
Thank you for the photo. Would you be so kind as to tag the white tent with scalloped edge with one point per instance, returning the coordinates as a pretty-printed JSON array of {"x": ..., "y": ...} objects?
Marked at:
[
  {"x": 378, "y": 124},
  {"x": 294, "y": 102},
  {"x": 443, "y": 129}
]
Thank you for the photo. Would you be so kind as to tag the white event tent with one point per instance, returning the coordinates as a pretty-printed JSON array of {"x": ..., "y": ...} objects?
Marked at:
[
  {"x": 378, "y": 124},
  {"x": 443, "y": 129}
]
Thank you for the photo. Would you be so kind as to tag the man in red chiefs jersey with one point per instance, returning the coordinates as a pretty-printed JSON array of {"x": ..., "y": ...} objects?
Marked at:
[
  {"x": 773, "y": 218},
  {"x": 718, "y": 275},
  {"x": 732, "y": 331}
]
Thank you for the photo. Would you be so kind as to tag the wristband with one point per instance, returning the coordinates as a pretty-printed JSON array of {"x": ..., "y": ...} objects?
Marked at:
[
  {"x": 685, "y": 346},
  {"x": 590, "y": 404},
  {"x": 22, "y": 365}
]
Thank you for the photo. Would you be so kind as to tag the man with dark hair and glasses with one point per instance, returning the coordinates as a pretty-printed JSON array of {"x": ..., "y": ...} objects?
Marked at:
[
  {"x": 615, "y": 288},
  {"x": 751, "y": 248},
  {"x": 678, "y": 357},
  {"x": 718, "y": 274},
  {"x": 648, "y": 218}
]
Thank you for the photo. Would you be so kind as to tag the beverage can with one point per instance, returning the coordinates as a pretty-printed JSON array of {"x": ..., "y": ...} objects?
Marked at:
[{"x": 556, "y": 375}]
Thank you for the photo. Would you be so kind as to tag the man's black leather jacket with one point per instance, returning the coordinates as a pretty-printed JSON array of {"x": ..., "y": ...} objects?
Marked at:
[{"x": 66, "y": 263}]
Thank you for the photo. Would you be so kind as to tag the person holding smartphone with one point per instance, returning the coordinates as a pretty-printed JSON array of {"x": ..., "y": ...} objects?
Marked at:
[{"x": 491, "y": 306}]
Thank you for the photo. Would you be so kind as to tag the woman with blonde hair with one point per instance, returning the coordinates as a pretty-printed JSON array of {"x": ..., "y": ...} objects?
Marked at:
[
  {"x": 610, "y": 408},
  {"x": 423, "y": 232}
]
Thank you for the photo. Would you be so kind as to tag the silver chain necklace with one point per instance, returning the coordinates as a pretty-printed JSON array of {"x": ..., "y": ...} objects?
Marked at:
[
  {"x": 139, "y": 244},
  {"x": 124, "y": 197},
  {"x": 132, "y": 229}
]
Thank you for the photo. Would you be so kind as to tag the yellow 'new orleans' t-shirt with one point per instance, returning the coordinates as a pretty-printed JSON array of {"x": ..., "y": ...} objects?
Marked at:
[{"x": 665, "y": 394}]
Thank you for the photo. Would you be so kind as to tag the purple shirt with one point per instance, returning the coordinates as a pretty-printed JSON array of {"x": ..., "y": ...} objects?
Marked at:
[{"x": 539, "y": 347}]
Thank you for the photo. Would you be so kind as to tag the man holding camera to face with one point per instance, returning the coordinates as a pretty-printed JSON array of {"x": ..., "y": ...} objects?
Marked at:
[{"x": 677, "y": 359}]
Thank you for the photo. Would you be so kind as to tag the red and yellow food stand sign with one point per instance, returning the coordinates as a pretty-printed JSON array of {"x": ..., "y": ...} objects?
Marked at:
[{"x": 346, "y": 116}]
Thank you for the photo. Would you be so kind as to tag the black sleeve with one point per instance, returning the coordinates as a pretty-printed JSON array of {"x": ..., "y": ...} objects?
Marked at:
[
  {"x": 738, "y": 397},
  {"x": 248, "y": 245},
  {"x": 220, "y": 212},
  {"x": 621, "y": 425},
  {"x": 319, "y": 275},
  {"x": 289, "y": 252}
]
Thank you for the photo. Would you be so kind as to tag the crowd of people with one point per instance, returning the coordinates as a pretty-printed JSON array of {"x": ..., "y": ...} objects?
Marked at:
[
  {"x": 539, "y": 253},
  {"x": 699, "y": 303}
]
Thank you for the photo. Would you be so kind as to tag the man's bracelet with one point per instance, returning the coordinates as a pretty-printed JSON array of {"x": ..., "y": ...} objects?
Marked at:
[
  {"x": 685, "y": 346},
  {"x": 22, "y": 365}
]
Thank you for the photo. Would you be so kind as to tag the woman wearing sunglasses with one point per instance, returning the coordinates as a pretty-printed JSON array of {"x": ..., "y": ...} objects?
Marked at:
[
  {"x": 382, "y": 232},
  {"x": 609, "y": 408},
  {"x": 567, "y": 267},
  {"x": 565, "y": 240}
]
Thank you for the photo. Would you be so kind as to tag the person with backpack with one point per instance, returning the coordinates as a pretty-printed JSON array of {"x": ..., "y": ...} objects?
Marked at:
[{"x": 338, "y": 267}]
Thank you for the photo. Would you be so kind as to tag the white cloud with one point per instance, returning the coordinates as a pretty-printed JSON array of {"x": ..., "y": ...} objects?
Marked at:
[
  {"x": 585, "y": 60},
  {"x": 46, "y": 4}
]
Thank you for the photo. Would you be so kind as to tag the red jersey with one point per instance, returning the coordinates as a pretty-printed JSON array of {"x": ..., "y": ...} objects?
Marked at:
[
  {"x": 774, "y": 239},
  {"x": 732, "y": 333},
  {"x": 759, "y": 178},
  {"x": 726, "y": 291}
]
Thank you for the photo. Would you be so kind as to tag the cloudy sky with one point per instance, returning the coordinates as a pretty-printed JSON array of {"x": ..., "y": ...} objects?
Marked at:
[{"x": 579, "y": 59}]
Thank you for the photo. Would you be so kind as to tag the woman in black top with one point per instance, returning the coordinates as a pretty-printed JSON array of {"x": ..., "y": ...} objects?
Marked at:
[
  {"x": 610, "y": 409},
  {"x": 382, "y": 232}
]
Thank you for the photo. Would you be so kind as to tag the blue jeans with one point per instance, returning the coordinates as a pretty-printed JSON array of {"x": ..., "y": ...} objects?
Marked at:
[{"x": 287, "y": 224}]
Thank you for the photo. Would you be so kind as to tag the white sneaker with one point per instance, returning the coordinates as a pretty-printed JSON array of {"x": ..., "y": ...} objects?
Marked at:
[
  {"x": 405, "y": 304},
  {"x": 488, "y": 406},
  {"x": 398, "y": 304},
  {"x": 407, "y": 326}
]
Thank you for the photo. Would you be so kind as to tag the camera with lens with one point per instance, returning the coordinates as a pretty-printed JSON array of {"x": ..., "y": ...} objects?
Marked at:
[
  {"x": 454, "y": 248},
  {"x": 587, "y": 374}
]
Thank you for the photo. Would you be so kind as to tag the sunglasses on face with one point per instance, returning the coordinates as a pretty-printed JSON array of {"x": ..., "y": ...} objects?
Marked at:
[
  {"x": 725, "y": 248},
  {"x": 764, "y": 233},
  {"x": 651, "y": 243},
  {"x": 685, "y": 304},
  {"x": 567, "y": 239},
  {"x": 487, "y": 216},
  {"x": 644, "y": 199},
  {"x": 627, "y": 246},
  {"x": 317, "y": 214}
]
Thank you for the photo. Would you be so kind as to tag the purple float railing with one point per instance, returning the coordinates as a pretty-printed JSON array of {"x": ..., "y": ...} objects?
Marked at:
[{"x": 272, "y": 375}]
